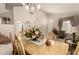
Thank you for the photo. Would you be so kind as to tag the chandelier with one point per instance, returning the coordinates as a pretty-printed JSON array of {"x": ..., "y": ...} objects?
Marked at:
[{"x": 31, "y": 7}]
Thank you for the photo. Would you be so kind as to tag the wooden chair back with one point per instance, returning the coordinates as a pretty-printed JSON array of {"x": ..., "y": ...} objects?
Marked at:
[
  {"x": 50, "y": 36},
  {"x": 76, "y": 52},
  {"x": 12, "y": 40},
  {"x": 18, "y": 45},
  {"x": 18, "y": 48}
]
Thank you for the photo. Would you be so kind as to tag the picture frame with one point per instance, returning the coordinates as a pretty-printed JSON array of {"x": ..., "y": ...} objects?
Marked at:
[{"x": 6, "y": 20}]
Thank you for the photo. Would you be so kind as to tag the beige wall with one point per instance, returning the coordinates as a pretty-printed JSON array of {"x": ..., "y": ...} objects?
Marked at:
[
  {"x": 39, "y": 18},
  {"x": 52, "y": 22},
  {"x": 6, "y": 29},
  {"x": 6, "y": 12}
]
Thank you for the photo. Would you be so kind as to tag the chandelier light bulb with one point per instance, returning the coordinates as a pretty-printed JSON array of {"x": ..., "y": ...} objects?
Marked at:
[
  {"x": 32, "y": 8},
  {"x": 38, "y": 6},
  {"x": 27, "y": 7}
]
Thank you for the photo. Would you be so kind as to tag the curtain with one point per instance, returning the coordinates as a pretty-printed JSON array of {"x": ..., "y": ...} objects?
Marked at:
[
  {"x": 73, "y": 19},
  {"x": 66, "y": 26},
  {"x": 60, "y": 23}
]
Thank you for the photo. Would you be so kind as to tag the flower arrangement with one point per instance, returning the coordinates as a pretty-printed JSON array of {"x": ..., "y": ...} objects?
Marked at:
[{"x": 33, "y": 34}]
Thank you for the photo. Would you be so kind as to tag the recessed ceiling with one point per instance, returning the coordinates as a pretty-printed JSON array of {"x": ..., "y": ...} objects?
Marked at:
[
  {"x": 60, "y": 8},
  {"x": 2, "y": 8}
]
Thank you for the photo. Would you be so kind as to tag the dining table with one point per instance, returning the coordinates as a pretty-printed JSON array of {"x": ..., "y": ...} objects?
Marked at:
[{"x": 56, "y": 48}]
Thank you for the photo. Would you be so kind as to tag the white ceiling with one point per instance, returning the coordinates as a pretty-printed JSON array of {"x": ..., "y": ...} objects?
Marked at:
[
  {"x": 60, "y": 8},
  {"x": 52, "y": 8}
]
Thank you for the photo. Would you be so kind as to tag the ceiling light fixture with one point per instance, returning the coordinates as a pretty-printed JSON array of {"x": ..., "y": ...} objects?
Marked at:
[{"x": 31, "y": 7}]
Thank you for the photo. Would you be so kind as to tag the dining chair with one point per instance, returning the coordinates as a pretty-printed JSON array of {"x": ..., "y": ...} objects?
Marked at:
[
  {"x": 50, "y": 36},
  {"x": 14, "y": 48},
  {"x": 18, "y": 45},
  {"x": 18, "y": 48},
  {"x": 76, "y": 52}
]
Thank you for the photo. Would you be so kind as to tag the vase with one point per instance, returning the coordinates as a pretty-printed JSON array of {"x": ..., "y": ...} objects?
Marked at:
[
  {"x": 35, "y": 39},
  {"x": 48, "y": 43}
]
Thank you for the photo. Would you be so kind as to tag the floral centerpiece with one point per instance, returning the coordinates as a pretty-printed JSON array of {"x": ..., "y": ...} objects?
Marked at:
[{"x": 33, "y": 34}]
